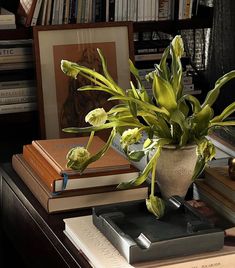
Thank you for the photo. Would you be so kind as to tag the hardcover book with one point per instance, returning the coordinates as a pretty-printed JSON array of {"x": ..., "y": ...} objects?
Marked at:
[
  {"x": 71, "y": 200},
  {"x": 101, "y": 253},
  {"x": 216, "y": 200},
  {"x": 218, "y": 179},
  {"x": 55, "y": 151},
  {"x": 55, "y": 182}
]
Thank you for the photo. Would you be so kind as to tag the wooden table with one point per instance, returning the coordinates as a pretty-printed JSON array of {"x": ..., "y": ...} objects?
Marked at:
[{"x": 37, "y": 235}]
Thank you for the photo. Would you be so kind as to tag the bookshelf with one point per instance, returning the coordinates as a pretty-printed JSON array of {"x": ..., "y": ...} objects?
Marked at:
[
  {"x": 16, "y": 128},
  {"x": 19, "y": 128}
]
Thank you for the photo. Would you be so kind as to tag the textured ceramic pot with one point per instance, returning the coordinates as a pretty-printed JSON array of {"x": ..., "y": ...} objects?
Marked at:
[{"x": 175, "y": 169}]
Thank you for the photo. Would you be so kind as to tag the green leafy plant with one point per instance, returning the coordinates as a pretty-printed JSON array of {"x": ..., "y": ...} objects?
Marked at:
[{"x": 169, "y": 117}]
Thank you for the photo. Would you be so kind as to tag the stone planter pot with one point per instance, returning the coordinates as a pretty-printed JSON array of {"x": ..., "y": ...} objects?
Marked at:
[{"x": 175, "y": 169}]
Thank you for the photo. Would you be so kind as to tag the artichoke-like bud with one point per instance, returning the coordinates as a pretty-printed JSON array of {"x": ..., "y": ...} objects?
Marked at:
[
  {"x": 156, "y": 206},
  {"x": 130, "y": 136},
  {"x": 206, "y": 149},
  {"x": 69, "y": 69},
  {"x": 76, "y": 157},
  {"x": 96, "y": 117},
  {"x": 178, "y": 46}
]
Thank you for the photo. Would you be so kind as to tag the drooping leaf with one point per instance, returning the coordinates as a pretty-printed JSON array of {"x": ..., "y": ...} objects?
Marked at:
[{"x": 213, "y": 94}]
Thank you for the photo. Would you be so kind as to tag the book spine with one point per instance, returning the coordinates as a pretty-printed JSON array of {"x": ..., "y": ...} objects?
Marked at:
[
  {"x": 15, "y": 51},
  {"x": 16, "y": 92},
  {"x": 14, "y": 59},
  {"x": 111, "y": 12},
  {"x": 22, "y": 99},
  {"x": 41, "y": 168},
  {"x": 18, "y": 107},
  {"x": 46, "y": 156},
  {"x": 7, "y": 26},
  {"x": 28, "y": 179},
  {"x": 16, "y": 84},
  {"x": 36, "y": 13}
]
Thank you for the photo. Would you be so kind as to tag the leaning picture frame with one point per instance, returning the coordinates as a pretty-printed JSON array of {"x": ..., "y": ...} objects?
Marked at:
[{"x": 60, "y": 105}]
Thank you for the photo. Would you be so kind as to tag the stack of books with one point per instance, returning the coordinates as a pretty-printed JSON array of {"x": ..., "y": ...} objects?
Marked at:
[
  {"x": 42, "y": 166},
  {"x": 7, "y": 19},
  {"x": 217, "y": 189}
]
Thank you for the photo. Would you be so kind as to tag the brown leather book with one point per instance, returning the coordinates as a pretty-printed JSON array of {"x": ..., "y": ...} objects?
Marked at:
[
  {"x": 56, "y": 182},
  {"x": 55, "y": 151},
  {"x": 76, "y": 199}
]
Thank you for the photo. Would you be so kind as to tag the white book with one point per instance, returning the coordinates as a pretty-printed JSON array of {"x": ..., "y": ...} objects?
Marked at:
[
  {"x": 18, "y": 107},
  {"x": 36, "y": 12},
  {"x": 140, "y": 10},
  {"x": 124, "y": 10},
  {"x": 7, "y": 26},
  {"x": 16, "y": 65},
  {"x": 17, "y": 84},
  {"x": 17, "y": 58},
  {"x": 20, "y": 99},
  {"x": 102, "y": 254},
  {"x": 118, "y": 10},
  {"x": 6, "y": 17},
  {"x": 20, "y": 91},
  {"x": 15, "y": 51}
]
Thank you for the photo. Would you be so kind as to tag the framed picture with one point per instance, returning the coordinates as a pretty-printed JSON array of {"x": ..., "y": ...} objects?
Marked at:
[{"x": 60, "y": 104}]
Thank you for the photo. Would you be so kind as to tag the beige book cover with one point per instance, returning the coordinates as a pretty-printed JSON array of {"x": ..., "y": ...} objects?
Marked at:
[{"x": 102, "y": 254}]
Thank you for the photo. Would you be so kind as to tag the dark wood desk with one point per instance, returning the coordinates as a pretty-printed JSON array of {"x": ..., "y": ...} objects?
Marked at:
[{"x": 37, "y": 236}]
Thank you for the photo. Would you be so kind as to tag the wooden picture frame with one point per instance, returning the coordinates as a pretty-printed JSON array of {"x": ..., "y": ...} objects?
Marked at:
[{"x": 77, "y": 43}]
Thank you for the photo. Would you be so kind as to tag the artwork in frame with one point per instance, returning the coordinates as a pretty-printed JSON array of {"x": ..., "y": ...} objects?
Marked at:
[{"x": 60, "y": 104}]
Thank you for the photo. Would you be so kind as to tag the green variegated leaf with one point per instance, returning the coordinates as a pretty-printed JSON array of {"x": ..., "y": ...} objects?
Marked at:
[
  {"x": 164, "y": 94},
  {"x": 214, "y": 93},
  {"x": 143, "y": 105},
  {"x": 156, "y": 206},
  {"x": 225, "y": 113},
  {"x": 136, "y": 155},
  {"x": 195, "y": 104},
  {"x": 202, "y": 121}
]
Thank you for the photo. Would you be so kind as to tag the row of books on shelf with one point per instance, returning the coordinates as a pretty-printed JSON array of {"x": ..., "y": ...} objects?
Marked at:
[
  {"x": 16, "y": 54},
  {"x": 18, "y": 96},
  {"x": 48, "y": 12},
  {"x": 42, "y": 166}
]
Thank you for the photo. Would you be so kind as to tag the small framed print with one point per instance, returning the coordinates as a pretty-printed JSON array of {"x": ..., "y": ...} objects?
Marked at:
[{"x": 60, "y": 104}]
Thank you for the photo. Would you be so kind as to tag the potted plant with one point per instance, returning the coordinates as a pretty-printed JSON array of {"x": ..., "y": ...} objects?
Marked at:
[{"x": 171, "y": 119}]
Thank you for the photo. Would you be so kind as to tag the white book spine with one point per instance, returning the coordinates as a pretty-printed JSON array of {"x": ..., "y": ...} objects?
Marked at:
[
  {"x": 140, "y": 10},
  {"x": 17, "y": 58},
  {"x": 16, "y": 84},
  {"x": 15, "y": 92},
  {"x": 15, "y": 51},
  {"x": 36, "y": 12},
  {"x": 18, "y": 107},
  {"x": 20, "y": 99},
  {"x": 7, "y": 26},
  {"x": 118, "y": 11}
]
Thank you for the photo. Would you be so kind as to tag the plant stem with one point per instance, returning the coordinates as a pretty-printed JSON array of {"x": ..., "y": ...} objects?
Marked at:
[
  {"x": 153, "y": 177},
  {"x": 90, "y": 139}
]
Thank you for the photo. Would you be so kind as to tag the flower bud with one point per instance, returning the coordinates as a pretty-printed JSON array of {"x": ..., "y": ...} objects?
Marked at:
[
  {"x": 68, "y": 69},
  {"x": 130, "y": 136},
  {"x": 178, "y": 46},
  {"x": 77, "y": 156},
  {"x": 96, "y": 117}
]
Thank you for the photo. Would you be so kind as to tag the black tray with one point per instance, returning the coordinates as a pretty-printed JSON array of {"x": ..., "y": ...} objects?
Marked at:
[{"x": 139, "y": 236}]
